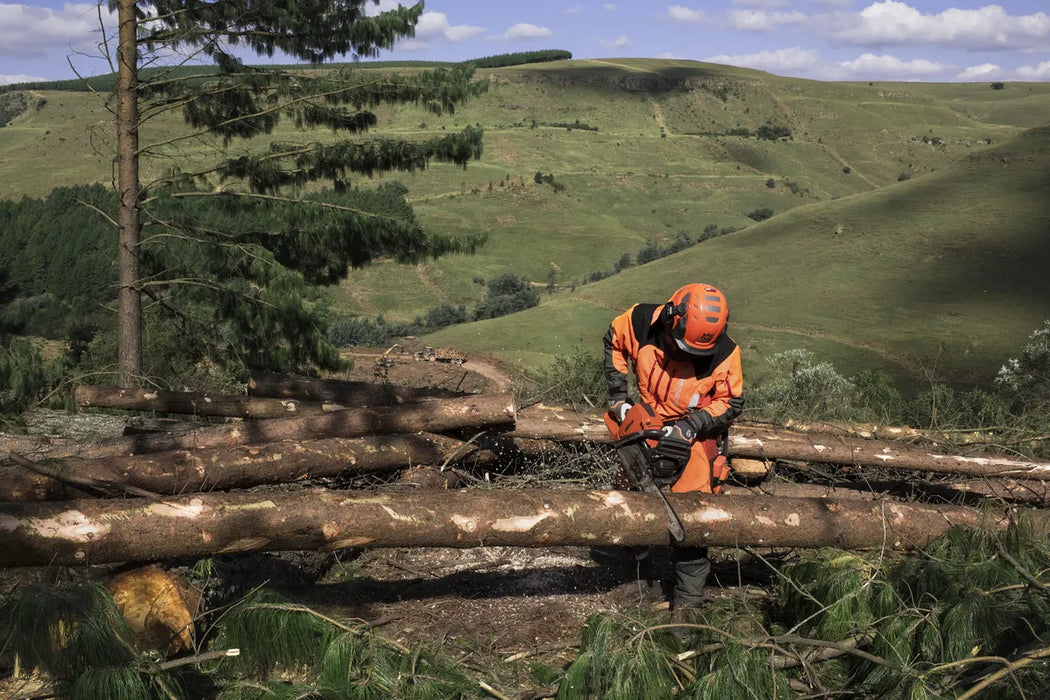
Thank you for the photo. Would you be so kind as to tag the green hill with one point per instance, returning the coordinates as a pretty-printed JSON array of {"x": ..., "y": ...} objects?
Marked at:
[{"x": 909, "y": 226}]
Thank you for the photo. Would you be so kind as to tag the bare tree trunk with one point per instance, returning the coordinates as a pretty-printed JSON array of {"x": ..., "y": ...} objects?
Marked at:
[
  {"x": 221, "y": 468},
  {"x": 337, "y": 391},
  {"x": 129, "y": 298},
  {"x": 139, "y": 529},
  {"x": 431, "y": 416}
]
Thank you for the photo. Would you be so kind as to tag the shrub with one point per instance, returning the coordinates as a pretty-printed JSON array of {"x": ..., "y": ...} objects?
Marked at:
[
  {"x": 771, "y": 183},
  {"x": 905, "y": 175},
  {"x": 998, "y": 85},
  {"x": 445, "y": 315},
  {"x": 800, "y": 387},
  {"x": 507, "y": 293},
  {"x": 1025, "y": 379},
  {"x": 574, "y": 379},
  {"x": 649, "y": 252},
  {"x": 362, "y": 331},
  {"x": 760, "y": 214}
]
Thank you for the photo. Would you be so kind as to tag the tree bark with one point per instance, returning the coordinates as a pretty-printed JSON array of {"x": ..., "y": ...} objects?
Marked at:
[
  {"x": 139, "y": 529},
  {"x": 755, "y": 442},
  {"x": 431, "y": 415},
  {"x": 129, "y": 295},
  {"x": 222, "y": 468},
  {"x": 337, "y": 391},
  {"x": 197, "y": 404}
]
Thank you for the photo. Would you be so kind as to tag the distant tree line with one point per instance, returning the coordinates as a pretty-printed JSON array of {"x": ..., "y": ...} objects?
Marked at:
[
  {"x": 505, "y": 294},
  {"x": 653, "y": 251},
  {"x": 107, "y": 82},
  {"x": 514, "y": 59}
]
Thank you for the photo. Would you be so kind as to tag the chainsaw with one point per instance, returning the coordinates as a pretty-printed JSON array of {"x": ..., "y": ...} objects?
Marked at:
[{"x": 639, "y": 432}]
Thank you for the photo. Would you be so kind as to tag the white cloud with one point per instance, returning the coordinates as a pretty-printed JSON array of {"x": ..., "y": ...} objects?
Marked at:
[
  {"x": 890, "y": 22},
  {"x": 762, "y": 21},
  {"x": 680, "y": 13},
  {"x": 783, "y": 60},
  {"x": 524, "y": 30},
  {"x": 575, "y": 9},
  {"x": 985, "y": 71},
  {"x": 10, "y": 79},
  {"x": 433, "y": 25},
  {"x": 609, "y": 7},
  {"x": 887, "y": 67},
  {"x": 618, "y": 43},
  {"x": 1040, "y": 72},
  {"x": 34, "y": 31}
]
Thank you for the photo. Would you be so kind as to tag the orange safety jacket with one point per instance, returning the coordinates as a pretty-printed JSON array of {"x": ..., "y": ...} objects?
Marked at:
[{"x": 675, "y": 386}]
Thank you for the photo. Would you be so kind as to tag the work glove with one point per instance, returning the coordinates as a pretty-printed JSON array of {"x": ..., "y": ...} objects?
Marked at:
[
  {"x": 698, "y": 423},
  {"x": 674, "y": 445},
  {"x": 618, "y": 409}
]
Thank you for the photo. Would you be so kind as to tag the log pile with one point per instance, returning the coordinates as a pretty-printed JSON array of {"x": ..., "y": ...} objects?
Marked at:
[{"x": 222, "y": 486}]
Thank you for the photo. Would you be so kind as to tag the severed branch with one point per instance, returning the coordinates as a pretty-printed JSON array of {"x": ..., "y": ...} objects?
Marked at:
[{"x": 95, "y": 485}]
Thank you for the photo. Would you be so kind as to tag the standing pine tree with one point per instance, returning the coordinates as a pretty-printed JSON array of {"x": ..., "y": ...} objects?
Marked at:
[{"x": 232, "y": 250}]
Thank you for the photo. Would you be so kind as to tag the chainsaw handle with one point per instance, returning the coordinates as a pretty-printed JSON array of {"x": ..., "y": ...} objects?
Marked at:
[{"x": 638, "y": 437}]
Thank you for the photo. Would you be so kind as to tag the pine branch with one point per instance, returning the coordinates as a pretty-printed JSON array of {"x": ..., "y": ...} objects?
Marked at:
[
  {"x": 1010, "y": 667},
  {"x": 1025, "y": 574}
]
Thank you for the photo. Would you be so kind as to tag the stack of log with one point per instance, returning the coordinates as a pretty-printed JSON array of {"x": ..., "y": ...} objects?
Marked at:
[{"x": 200, "y": 488}]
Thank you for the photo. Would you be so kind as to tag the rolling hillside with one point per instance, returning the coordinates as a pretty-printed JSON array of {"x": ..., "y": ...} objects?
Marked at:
[{"x": 909, "y": 227}]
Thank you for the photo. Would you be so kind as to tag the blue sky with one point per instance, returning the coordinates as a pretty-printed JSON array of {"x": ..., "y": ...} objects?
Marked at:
[{"x": 923, "y": 40}]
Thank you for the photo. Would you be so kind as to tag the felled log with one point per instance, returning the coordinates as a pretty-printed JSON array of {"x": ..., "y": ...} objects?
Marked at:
[
  {"x": 221, "y": 468},
  {"x": 430, "y": 415},
  {"x": 826, "y": 449},
  {"x": 195, "y": 403},
  {"x": 337, "y": 391},
  {"x": 137, "y": 529},
  {"x": 765, "y": 443}
]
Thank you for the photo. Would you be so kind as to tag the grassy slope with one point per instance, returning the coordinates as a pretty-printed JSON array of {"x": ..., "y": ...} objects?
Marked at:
[
  {"x": 895, "y": 288},
  {"x": 942, "y": 274}
]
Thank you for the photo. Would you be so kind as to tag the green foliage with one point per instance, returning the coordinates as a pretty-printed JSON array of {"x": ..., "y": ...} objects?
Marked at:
[
  {"x": 339, "y": 661},
  {"x": 800, "y": 386},
  {"x": 904, "y": 175},
  {"x": 1025, "y": 379},
  {"x": 28, "y": 379},
  {"x": 574, "y": 379},
  {"x": 507, "y": 293},
  {"x": 445, "y": 315},
  {"x": 760, "y": 214},
  {"x": 12, "y": 104},
  {"x": 773, "y": 132},
  {"x": 362, "y": 331},
  {"x": 76, "y": 635},
  {"x": 521, "y": 57},
  {"x": 620, "y": 658}
]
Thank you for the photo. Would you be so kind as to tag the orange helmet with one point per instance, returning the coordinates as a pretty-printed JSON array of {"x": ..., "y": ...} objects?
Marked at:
[{"x": 699, "y": 314}]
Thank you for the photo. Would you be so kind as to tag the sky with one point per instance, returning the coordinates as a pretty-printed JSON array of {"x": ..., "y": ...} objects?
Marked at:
[{"x": 899, "y": 40}]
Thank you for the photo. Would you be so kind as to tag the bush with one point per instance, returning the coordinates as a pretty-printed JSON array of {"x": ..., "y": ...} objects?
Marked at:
[
  {"x": 905, "y": 175},
  {"x": 1025, "y": 379},
  {"x": 574, "y": 379},
  {"x": 507, "y": 294},
  {"x": 362, "y": 331},
  {"x": 771, "y": 183},
  {"x": 800, "y": 387},
  {"x": 445, "y": 315},
  {"x": 760, "y": 214},
  {"x": 649, "y": 252}
]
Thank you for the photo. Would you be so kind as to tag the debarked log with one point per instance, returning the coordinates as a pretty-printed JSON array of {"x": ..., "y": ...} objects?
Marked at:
[
  {"x": 430, "y": 415},
  {"x": 221, "y": 468},
  {"x": 140, "y": 529}
]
